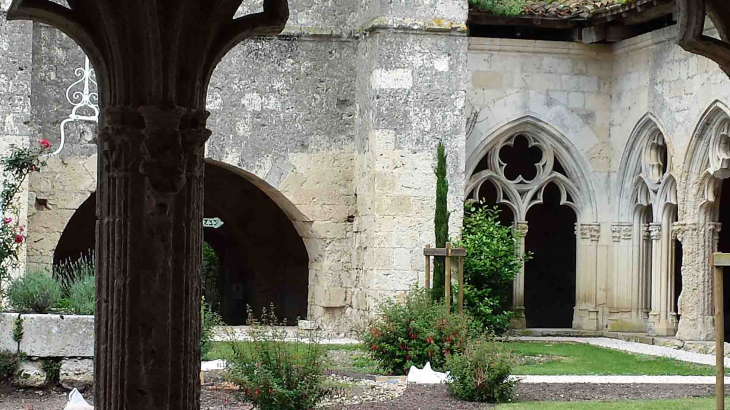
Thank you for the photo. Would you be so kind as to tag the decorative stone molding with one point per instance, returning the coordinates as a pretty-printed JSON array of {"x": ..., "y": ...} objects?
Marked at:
[
  {"x": 616, "y": 232},
  {"x": 590, "y": 231},
  {"x": 645, "y": 232},
  {"x": 627, "y": 232},
  {"x": 521, "y": 193},
  {"x": 681, "y": 230}
]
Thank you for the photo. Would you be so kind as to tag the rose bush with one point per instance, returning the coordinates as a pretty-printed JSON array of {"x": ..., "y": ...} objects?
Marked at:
[{"x": 16, "y": 166}]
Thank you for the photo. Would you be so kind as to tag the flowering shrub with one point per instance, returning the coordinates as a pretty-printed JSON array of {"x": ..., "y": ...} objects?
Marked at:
[
  {"x": 481, "y": 373},
  {"x": 417, "y": 331},
  {"x": 16, "y": 167},
  {"x": 210, "y": 319},
  {"x": 274, "y": 374}
]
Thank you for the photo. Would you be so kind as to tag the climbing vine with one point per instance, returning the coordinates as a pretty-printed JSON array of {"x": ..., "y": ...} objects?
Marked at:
[{"x": 16, "y": 167}]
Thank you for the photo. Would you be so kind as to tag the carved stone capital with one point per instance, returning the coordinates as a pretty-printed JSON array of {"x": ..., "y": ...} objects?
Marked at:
[
  {"x": 645, "y": 231},
  {"x": 616, "y": 232},
  {"x": 683, "y": 230},
  {"x": 655, "y": 231},
  {"x": 590, "y": 231},
  {"x": 521, "y": 229},
  {"x": 164, "y": 158},
  {"x": 627, "y": 232}
]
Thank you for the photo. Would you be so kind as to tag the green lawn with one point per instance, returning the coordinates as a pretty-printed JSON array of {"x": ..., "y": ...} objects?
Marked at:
[
  {"x": 689, "y": 404},
  {"x": 582, "y": 359}
]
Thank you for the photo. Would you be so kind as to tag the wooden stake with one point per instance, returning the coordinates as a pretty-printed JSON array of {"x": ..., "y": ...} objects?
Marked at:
[
  {"x": 447, "y": 285},
  {"x": 428, "y": 269},
  {"x": 719, "y": 338},
  {"x": 461, "y": 284}
]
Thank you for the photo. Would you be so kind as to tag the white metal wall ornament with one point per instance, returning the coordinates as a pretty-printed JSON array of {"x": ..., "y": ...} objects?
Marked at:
[
  {"x": 80, "y": 95},
  {"x": 214, "y": 223}
]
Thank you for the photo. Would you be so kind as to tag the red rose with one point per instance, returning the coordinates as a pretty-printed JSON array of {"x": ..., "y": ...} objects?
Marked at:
[
  {"x": 45, "y": 144},
  {"x": 32, "y": 168},
  {"x": 19, "y": 238}
]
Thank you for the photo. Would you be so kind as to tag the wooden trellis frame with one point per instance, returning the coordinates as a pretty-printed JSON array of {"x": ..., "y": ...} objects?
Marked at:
[
  {"x": 448, "y": 252},
  {"x": 719, "y": 261}
]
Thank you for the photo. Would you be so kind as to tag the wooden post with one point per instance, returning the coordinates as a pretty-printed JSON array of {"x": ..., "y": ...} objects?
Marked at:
[
  {"x": 428, "y": 268},
  {"x": 718, "y": 261},
  {"x": 461, "y": 284},
  {"x": 447, "y": 285}
]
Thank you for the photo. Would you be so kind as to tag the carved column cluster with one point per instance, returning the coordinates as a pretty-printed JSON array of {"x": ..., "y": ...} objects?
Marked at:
[
  {"x": 149, "y": 241},
  {"x": 586, "y": 315},
  {"x": 519, "y": 320},
  {"x": 623, "y": 282}
]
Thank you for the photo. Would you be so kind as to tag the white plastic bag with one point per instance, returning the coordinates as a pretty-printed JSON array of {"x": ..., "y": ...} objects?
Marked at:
[
  {"x": 426, "y": 375},
  {"x": 76, "y": 402}
]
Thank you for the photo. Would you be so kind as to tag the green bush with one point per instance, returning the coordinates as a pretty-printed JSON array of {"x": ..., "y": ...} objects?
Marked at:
[
  {"x": 481, "y": 373},
  {"x": 508, "y": 8},
  {"x": 9, "y": 363},
  {"x": 34, "y": 292},
  {"x": 271, "y": 373},
  {"x": 210, "y": 320},
  {"x": 52, "y": 368},
  {"x": 69, "y": 272},
  {"x": 490, "y": 266},
  {"x": 82, "y": 295},
  {"x": 210, "y": 275},
  {"x": 416, "y": 331}
]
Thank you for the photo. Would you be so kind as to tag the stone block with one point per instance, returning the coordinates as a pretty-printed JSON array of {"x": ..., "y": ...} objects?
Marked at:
[
  {"x": 50, "y": 335},
  {"x": 77, "y": 373},
  {"x": 30, "y": 374},
  {"x": 307, "y": 325},
  {"x": 486, "y": 80},
  {"x": 332, "y": 297}
]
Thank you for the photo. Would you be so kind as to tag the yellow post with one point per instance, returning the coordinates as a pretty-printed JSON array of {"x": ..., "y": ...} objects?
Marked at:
[
  {"x": 447, "y": 285},
  {"x": 428, "y": 269},
  {"x": 461, "y": 284},
  {"x": 719, "y": 338}
]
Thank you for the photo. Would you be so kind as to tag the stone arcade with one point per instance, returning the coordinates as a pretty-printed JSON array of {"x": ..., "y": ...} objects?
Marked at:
[{"x": 608, "y": 153}]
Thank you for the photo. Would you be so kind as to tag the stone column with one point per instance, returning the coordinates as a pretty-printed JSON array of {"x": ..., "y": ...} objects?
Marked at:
[
  {"x": 620, "y": 316},
  {"x": 645, "y": 273},
  {"x": 149, "y": 241},
  {"x": 519, "y": 320},
  {"x": 655, "y": 233},
  {"x": 586, "y": 312},
  {"x": 699, "y": 241}
]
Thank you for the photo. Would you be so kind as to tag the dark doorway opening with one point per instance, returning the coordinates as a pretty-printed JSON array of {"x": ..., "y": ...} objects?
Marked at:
[
  {"x": 724, "y": 245},
  {"x": 550, "y": 274},
  {"x": 260, "y": 256},
  {"x": 677, "y": 273}
]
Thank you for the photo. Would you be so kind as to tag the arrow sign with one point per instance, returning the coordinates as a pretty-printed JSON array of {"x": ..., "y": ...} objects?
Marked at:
[{"x": 214, "y": 223}]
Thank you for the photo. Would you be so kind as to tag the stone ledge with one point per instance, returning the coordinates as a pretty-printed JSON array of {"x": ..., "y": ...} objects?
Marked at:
[{"x": 49, "y": 335}]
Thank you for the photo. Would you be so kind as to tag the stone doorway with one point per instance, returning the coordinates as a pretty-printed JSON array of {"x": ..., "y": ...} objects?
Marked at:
[
  {"x": 262, "y": 257},
  {"x": 550, "y": 276}
]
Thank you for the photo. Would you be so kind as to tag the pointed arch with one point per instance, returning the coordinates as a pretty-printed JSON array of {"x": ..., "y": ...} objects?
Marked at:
[
  {"x": 642, "y": 161},
  {"x": 578, "y": 178}
]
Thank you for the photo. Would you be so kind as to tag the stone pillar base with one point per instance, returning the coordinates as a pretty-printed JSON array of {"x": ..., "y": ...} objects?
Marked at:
[
  {"x": 519, "y": 320},
  {"x": 696, "y": 329},
  {"x": 585, "y": 319},
  {"x": 625, "y": 321},
  {"x": 657, "y": 327}
]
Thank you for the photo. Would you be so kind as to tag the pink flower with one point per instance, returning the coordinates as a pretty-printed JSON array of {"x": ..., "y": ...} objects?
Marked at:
[
  {"x": 45, "y": 144},
  {"x": 22, "y": 229},
  {"x": 7, "y": 220},
  {"x": 19, "y": 238}
]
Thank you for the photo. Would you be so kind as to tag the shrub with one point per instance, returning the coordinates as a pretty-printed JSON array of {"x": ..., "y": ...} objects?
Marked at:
[
  {"x": 210, "y": 319},
  {"x": 52, "y": 368},
  {"x": 69, "y": 272},
  {"x": 490, "y": 266},
  {"x": 273, "y": 374},
  {"x": 509, "y": 8},
  {"x": 82, "y": 295},
  {"x": 415, "y": 332},
  {"x": 34, "y": 292},
  {"x": 9, "y": 363},
  {"x": 481, "y": 373},
  {"x": 210, "y": 275}
]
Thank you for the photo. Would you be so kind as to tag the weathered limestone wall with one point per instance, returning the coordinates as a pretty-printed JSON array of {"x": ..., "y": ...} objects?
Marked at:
[
  {"x": 410, "y": 96},
  {"x": 15, "y": 91}
]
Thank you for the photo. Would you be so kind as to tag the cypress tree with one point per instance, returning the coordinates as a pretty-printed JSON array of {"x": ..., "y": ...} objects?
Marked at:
[{"x": 441, "y": 221}]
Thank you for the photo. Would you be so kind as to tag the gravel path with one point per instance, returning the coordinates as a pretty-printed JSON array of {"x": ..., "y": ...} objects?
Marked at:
[{"x": 631, "y": 347}]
